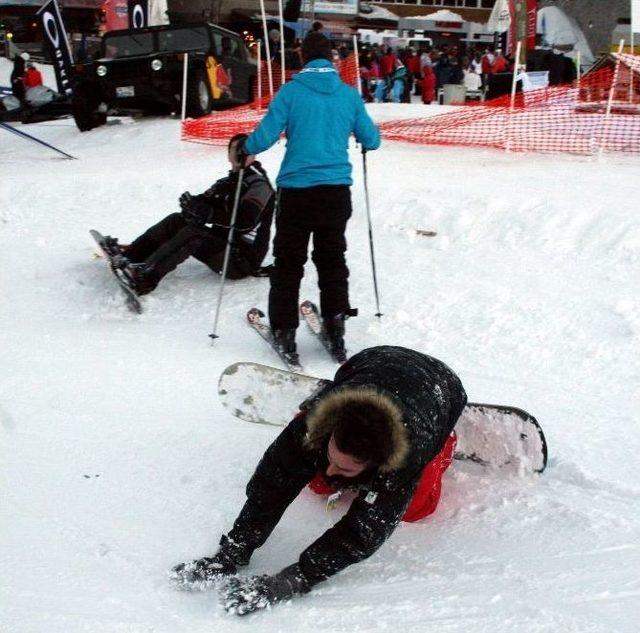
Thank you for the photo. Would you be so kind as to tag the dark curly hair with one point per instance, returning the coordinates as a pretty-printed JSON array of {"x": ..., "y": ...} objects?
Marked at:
[{"x": 363, "y": 431}]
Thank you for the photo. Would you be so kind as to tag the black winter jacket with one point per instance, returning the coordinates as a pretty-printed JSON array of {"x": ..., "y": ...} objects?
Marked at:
[
  {"x": 255, "y": 210},
  {"x": 430, "y": 398}
]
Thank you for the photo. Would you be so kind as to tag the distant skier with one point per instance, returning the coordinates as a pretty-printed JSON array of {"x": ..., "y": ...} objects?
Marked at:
[
  {"x": 32, "y": 76},
  {"x": 318, "y": 113},
  {"x": 201, "y": 229},
  {"x": 17, "y": 76},
  {"x": 383, "y": 428}
]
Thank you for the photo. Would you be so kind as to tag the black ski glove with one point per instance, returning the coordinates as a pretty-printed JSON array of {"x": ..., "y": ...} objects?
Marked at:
[
  {"x": 196, "y": 574},
  {"x": 245, "y": 595},
  {"x": 194, "y": 209}
]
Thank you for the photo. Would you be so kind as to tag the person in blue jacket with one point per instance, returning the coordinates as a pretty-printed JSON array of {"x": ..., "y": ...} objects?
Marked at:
[{"x": 318, "y": 113}]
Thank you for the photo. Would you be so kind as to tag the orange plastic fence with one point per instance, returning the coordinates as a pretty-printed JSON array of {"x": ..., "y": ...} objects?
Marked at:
[{"x": 564, "y": 119}]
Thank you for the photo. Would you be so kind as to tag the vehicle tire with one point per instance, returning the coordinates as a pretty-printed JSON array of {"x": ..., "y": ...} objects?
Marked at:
[
  {"x": 198, "y": 95},
  {"x": 84, "y": 105}
]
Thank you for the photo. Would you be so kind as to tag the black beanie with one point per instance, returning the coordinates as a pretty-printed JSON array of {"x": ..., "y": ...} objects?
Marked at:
[{"x": 316, "y": 46}]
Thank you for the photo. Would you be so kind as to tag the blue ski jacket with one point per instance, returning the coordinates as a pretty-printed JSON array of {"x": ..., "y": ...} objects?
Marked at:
[{"x": 318, "y": 113}]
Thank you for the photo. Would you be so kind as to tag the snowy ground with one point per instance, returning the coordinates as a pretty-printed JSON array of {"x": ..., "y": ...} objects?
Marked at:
[{"x": 117, "y": 461}]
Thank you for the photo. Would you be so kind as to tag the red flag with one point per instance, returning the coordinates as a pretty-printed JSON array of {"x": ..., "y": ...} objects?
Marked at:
[
  {"x": 532, "y": 23},
  {"x": 524, "y": 17}
]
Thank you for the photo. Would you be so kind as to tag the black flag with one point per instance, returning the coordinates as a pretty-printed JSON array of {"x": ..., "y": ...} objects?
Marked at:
[
  {"x": 138, "y": 14},
  {"x": 291, "y": 11},
  {"x": 57, "y": 44}
]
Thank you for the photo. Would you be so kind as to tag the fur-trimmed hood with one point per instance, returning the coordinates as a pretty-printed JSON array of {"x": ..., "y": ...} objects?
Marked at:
[{"x": 321, "y": 421}]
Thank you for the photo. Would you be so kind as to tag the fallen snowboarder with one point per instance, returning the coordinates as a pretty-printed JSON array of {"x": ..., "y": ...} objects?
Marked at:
[
  {"x": 201, "y": 230},
  {"x": 384, "y": 428}
]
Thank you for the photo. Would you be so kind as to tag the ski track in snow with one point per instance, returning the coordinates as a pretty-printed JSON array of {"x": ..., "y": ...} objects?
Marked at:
[{"x": 117, "y": 461}]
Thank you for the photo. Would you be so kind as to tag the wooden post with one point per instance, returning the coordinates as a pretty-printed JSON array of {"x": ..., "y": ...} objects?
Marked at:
[
  {"x": 267, "y": 48},
  {"x": 355, "y": 53},
  {"x": 185, "y": 72},
  {"x": 607, "y": 116}
]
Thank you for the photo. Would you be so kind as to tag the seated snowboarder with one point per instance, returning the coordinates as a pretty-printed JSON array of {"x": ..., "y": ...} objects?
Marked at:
[
  {"x": 383, "y": 428},
  {"x": 201, "y": 229}
]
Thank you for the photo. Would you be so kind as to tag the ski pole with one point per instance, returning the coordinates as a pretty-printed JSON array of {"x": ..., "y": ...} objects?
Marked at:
[
  {"x": 373, "y": 259},
  {"x": 227, "y": 252},
  {"x": 28, "y": 137}
]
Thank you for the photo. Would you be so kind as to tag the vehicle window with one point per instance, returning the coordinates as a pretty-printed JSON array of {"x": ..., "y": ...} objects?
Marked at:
[
  {"x": 228, "y": 47},
  {"x": 127, "y": 45},
  {"x": 187, "y": 39}
]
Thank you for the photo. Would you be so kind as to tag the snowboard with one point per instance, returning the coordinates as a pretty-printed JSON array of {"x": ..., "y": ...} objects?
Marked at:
[
  {"x": 495, "y": 436},
  {"x": 131, "y": 298}
]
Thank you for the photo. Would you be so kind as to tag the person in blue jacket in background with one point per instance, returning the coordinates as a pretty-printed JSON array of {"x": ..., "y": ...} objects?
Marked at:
[{"x": 318, "y": 113}]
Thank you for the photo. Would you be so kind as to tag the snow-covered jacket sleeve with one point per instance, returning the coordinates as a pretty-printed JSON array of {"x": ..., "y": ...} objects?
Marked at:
[
  {"x": 271, "y": 126},
  {"x": 283, "y": 471},
  {"x": 365, "y": 130},
  {"x": 369, "y": 522}
]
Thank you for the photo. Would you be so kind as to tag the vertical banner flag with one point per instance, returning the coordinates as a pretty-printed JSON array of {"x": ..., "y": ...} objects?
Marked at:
[
  {"x": 523, "y": 26},
  {"x": 532, "y": 23},
  {"x": 57, "y": 44},
  {"x": 635, "y": 16},
  {"x": 500, "y": 18},
  {"x": 138, "y": 14}
]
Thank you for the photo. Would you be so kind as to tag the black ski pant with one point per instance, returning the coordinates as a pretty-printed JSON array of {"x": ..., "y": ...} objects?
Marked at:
[
  {"x": 172, "y": 240},
  {"x": 321, "y": 212}
]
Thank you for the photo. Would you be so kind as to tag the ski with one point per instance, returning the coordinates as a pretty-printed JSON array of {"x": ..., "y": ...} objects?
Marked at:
[
  {"x": 255, "y": 318},
  {"x": 311, "y": 316},
  {"x": 106, "y": 246}
]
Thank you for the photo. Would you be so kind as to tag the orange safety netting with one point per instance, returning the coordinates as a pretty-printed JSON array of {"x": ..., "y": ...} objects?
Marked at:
[{"x": 577, "y": 118}]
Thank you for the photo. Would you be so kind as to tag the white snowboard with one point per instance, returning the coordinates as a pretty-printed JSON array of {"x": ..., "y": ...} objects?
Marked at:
[{"x": 493, "y": 435}]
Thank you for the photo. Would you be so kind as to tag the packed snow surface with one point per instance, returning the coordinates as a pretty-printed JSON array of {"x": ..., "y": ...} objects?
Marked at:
[{"x": 117, "y": 460}]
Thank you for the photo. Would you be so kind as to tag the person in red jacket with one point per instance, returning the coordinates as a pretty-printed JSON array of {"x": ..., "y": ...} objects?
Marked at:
[
  {"x": 501, "y": 64},
  {"x": 428, "y": 84},
  {"x": 487, "y": 66},
  {"x": 32, "y": 77},
  {"x": 388, "y": 63},
  {"x": 412, "y": 62}
]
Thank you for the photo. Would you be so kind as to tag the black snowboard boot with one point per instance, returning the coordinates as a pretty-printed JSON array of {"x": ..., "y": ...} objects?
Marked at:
[
  {"x": 334, "y": 331},
  {"x": 112, "y": 247},
  {"x": 141, "y": 277},
  {"x": 286, "y": 343}
]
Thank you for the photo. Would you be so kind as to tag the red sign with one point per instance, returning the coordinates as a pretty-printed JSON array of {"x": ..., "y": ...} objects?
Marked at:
[
  {"x": 116, "y": 14},
  {"x": 449, "y": 25}
]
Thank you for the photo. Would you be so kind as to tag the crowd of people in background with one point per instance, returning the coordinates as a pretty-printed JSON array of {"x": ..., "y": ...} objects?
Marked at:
[{"x": 392, "y": 75}]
